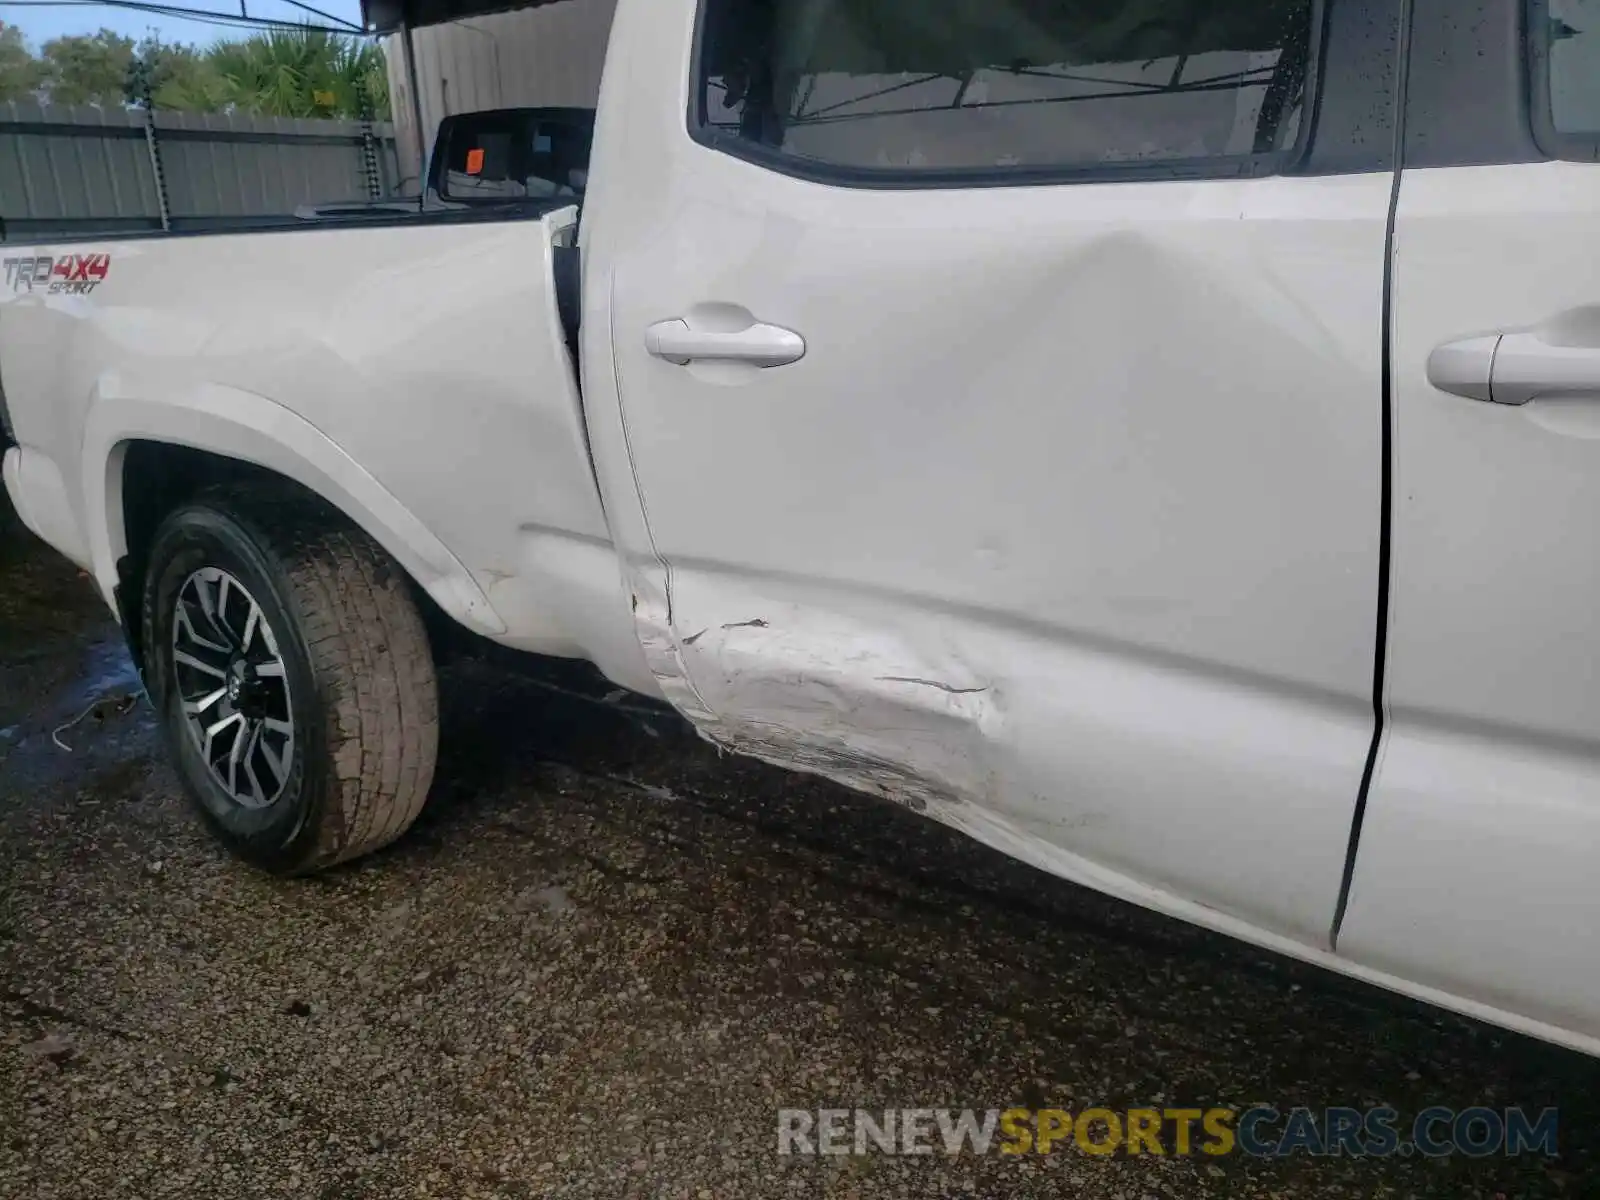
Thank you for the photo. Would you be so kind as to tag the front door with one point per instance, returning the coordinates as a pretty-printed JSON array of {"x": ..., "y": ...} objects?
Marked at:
[
  {"x": 1002, "y": 385},
  {"x": 1476, "y": 869}
]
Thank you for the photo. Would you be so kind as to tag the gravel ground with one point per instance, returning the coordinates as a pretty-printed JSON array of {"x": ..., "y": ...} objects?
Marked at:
[{"x": 601, "y": 963}]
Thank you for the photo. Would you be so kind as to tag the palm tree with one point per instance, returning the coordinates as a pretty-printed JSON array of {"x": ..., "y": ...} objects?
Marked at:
[
  {"x": 175, "y": 76},
  {"x": 302, "y": 73}
]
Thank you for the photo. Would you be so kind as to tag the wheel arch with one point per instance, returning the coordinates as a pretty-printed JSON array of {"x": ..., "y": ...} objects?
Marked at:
[{"x": 141, "y": 456}]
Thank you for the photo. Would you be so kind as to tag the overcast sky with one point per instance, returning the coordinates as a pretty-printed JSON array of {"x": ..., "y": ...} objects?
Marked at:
[{"x": 40, "y": 24}]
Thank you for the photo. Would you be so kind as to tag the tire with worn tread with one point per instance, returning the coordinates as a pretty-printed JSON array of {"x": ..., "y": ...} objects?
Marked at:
[{"x": 357, "y": 671}]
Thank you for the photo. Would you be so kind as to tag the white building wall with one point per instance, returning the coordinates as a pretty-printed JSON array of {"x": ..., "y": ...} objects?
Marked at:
[{"x": 551, "y": 55}]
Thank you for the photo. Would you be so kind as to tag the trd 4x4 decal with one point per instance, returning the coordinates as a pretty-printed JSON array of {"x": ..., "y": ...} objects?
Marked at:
[{"x": 69, "y": 274}]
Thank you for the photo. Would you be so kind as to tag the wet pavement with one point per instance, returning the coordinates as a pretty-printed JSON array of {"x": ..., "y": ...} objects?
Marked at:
[{"x": 603, "y": 961}]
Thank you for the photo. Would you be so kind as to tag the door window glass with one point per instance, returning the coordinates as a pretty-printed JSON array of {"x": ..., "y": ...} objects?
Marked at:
[
  {"x": 1570, "y": 30},
  {"x": 914, "y": 86}
]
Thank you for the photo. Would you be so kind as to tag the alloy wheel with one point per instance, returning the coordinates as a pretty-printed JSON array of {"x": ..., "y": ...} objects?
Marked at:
[{"x": 233, "y": 687}]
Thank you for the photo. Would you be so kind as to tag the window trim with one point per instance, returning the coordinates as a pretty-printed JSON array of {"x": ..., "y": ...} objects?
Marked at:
[
  {"x": 1572, "y": 147},
  {"x": 1236, "y": 166}
]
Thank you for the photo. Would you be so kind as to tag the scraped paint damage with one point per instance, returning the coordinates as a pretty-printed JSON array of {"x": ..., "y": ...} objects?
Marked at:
[
  {"x": 875, "y": 715},
  {"x": 1101, "y": 763},
  {"x": 933, "y": 683},
  {"x": 652, "y": 621}
]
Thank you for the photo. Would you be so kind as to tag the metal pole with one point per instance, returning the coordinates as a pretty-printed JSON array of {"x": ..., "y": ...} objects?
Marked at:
[
  {"x": 369, "y": 145},
  {"x": 152, "y": 142},
  {"x": 416, "y": 104}
]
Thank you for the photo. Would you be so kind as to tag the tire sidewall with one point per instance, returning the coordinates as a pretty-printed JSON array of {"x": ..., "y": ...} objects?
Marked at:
[{"x": 282, "y": 836}]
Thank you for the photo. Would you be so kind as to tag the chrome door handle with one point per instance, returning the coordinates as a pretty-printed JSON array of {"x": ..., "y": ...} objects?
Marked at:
[
  {"x": 759, "y": 345},
  {"x": 1560, "y": 359}
]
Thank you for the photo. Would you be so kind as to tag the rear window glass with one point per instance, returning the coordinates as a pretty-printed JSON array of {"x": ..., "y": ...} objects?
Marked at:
[{"x": 513, "y": 159}]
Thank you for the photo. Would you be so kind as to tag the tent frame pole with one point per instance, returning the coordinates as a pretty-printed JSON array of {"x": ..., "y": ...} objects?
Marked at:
[{"x": 416, "y": 106}]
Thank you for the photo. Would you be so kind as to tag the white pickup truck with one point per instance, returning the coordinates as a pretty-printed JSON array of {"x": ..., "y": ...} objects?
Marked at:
[{"x": 1156, "y": 439}]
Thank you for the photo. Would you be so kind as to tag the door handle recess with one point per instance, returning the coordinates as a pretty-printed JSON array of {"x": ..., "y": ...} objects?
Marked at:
[
  {"x": 1561, "y": 360},
  {"x": 759, "y": 345}
]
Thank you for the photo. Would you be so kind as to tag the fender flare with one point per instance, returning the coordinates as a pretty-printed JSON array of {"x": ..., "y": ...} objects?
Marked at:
[{"x": 252, "y": 428}]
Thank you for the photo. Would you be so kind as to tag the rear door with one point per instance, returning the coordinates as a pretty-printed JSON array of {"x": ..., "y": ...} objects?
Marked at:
[
  {"x": 1002, "y": 385},
  {"x": 1476, "y": 872}
]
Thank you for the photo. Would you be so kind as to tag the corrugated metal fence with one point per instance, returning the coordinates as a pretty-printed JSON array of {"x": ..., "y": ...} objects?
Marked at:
[{"x": 70, "y": 171}]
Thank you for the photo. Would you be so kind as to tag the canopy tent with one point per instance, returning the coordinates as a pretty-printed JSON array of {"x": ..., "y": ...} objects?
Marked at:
[
  {"x": 958, "y": 39},
  {"x": 390, "y": 16},
  {"x": 955, "y": 36}
]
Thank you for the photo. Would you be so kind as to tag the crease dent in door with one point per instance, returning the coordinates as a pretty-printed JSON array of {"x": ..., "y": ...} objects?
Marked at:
[
  {"x": 652, "y": 623},
  {"x": 649, "y": 580}
]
